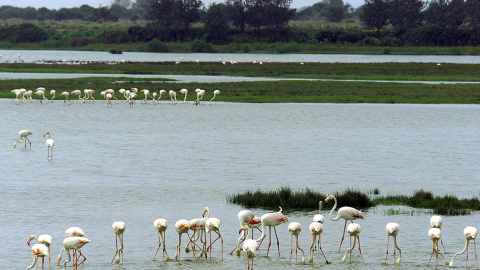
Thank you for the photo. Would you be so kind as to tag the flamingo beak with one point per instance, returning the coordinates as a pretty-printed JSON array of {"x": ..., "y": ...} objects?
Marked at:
[
  {"x": 28, "y": 242},
  {"x": 240, "y": 231}
]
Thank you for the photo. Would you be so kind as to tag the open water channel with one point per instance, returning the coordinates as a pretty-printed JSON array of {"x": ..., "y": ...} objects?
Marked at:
[{"x": 169, "y": 161}]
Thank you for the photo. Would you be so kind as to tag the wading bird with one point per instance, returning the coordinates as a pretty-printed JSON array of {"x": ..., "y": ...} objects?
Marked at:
[
  {"x": 118, "y": 228},
  {"x": 392, "y": 230},
  {"x": 49, "y": 142},
  {"x": 272, "y": 220},
  {"x": 435, "y": 234},
  {"x": 316, "y": 229},
  {"x": 215, "y": 94},
  {"x": 146, "y": 93},
  {"x": 66, "y": 94},
  {"x": 74, "y": 243},
  {"x": 78, "y": 93},
  {"x": 185, "y": 93},
  {"x": 52, "y": 93},
  {"x": 44, "y": 239},
  {"x": 244, "y": 217},
  {"x": 160, "y": 93},
  {"x": 182, "y": 226},
  {"x": 249, "y": 246},
  {"x": 173, "y": 96},
  {"x": 294, "y": 229},
  {"x": 470, "y": 233},
  {"x": 354, "y": 230},
  {"x": 161, "y": 226},
  {"x": 39, "y": 250},
  {"x": 347, "y": 213},
  {"x": 23, "y": 134},
  {"x": 436, "y": 222}
]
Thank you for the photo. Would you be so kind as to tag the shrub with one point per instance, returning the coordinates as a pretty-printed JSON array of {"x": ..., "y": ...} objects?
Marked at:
[
  {"x": 246, "y": 48},
  {"x": 201, "y": 46},
  {"x": 80, "y": 41},
  {"x": 157, "y": 46},
  {"x": 288, "y": 48}
]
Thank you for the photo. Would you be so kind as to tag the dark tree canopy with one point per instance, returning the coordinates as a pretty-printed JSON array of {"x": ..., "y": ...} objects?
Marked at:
[
  {"x": 375, "y": 14},
  {"x": 216, "y": 24},
  {"x": 406, "y": 14},
  {"x": 236, "y": 13}
]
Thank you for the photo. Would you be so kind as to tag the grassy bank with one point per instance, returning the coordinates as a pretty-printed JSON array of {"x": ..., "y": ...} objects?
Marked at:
[
  {"x": 275, "y": 92},
  {"x": 308, "y": 199},
  {"x": 343, "y": 71}
]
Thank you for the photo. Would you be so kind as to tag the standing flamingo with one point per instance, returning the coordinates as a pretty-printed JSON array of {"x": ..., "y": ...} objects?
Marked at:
[
  {"x": 160, "y": 93},
  {"x": 147, "y": 94},
  {"x": 294, "y": 229},
  {"x": 182, "y": 226},
  {"x": 41, "y": 95},
  {"x": 215, "y": 93},
  {"x": 436, "y": 222},
  {"x": 249, "y": 246},
  {"x": 470, "y": 233},
  {"x": 119, "y": 228},
  {"x": 44, "y": 239},
  {"x": 185, "y": 93},
  {"x": 78, "y": 93},
  {"x": 66, "y": 94},
  {"x": 49, "y": 142},
  {"x": 213, "y": 224},
  {"x": 173, "y": 96},
  {"x": 347, "y": 213},
  {"x": 75, "y": 243},
  {"x": 435, "y": 234},
  {"x": 316, "y": 229},
  {"x": 154, "y": 94},
  {"x": 161, "y": 226},
  {"x": 244, "y": 217},
  {"x": 108, "y": 97},
  {"x": 73, "y": 232},
  {"x": 28, "y": 95},
  {"x": 272, "y": 220},
  {"x": 23, "y": 134},
  {"x": 354, "y": 230},
  {"x": 52, "y": 93},
  {"x": 19, "y": 94},
  {"x": 122, "y": 93},
  {"x": 392, "y": 230},
  {"x": 39, "y": 250}
]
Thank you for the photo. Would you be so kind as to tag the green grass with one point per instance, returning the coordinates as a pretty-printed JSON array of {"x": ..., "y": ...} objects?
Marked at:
[
  {"x": 275, "y": 92},
  {"x": 337, "y": 71},
  {"x": 308, "y": 199}
]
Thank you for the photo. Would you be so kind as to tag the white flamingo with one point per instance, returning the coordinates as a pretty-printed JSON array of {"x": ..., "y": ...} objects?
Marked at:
[
  {"x": 41, "y": 95},
  {"x": 182, "y": 226},
  {"x": 470, "y": 233},
  {"x": 392, "y": 230},
  {"x": 354, "y": 230},
  {"x": 23, "y": 134},
  {"x": 316, "y": 229},
  {"x": 173, "y": 96},
  {"x": 185, "y": 93},
  {"x": 39, "y": 250},
  {"x": 347, "y": 213},
  {"x": 19, "y": 94},
  {"x": 122, "y": 93},
  {"x": 52, "y": 93},
  {"x": 200, "y": 95},
  {"x": 215, "y": 94},
  {"x": 147, "y": 94},
  {"x": 78, "y": 93},
  {"x": 294, "y": 228},
  {"x": 28, "y": 95},
  {"x": 161, "y": 226},
  {"x": 160, "y": 93},
  {"x": 436, "y": 222},
  {"x": 272, "y": 220},
  {"x": 44, "y": 239},
  {"x": 109, "y": 99},
  {"x": 118, "y": 228},
  {"x": 66, "y": 95},
  {"x": 244, "y": 217},
  {"x": 49, "y": 142},
  {"x": 249, "y": 246},
  {"x": 435, "y": 234},
  {"x": 154, "y": 94},
  {"x": 73, "y": 243},
  {"x": 213, "y": 224}
]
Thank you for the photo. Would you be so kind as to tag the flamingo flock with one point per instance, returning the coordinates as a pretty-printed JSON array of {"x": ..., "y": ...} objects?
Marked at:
[{"x": 130, "y": 96}]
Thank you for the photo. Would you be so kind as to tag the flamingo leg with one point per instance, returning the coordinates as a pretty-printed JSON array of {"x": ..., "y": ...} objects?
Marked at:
[
  {"x": 320, "y": 247},
  {"x": 296, "y": 252},
  {"x": 28, "y": 142},
  {"x": 164, "y": 248},
  {"x": 291, "y": 248},
  {"x": 84, "y": 259},
  {"x": 441, "y": 241},
  {"x": 116, "y": 247},
  {"x": 278, "y": 242},
  {"x": 312, "y": 250},
  {"x": 269, "y": 239},
  {"x": 343, "y": 236},
  {"x": 360, "y": 249},
  {"x": 159, "y": 244},
  {"x": 466, "y": 262},
  {"x": 388, "y": 240}
]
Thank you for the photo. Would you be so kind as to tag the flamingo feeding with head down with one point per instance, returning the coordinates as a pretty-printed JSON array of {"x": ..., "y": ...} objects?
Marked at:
[
  {"x": 39, "y": 250},
  {"x": 294, "y": 229},
  {"x": 74, "y": 243},
  {"x": 272, "y": 220},
  {"x": 215, "y": 94},
  {"x": 316, "y": 229},
  {"x": 347, "y": 213},
  {"x": 182, "y": 226},
  {"x": 118, "y": 228},
  {"x": 44, "y": 239},
  {"x": 244, "y": 217},
  {"x": 435, "y": 234},
  {"x": 49, "y": 142},
  {"x": 160, "y": 93},
  {"x": 66, "y": 94},
  {"x": 354, "y": 230},
  {"x": 470, "y": 233},
  {"x": 161, "y": 226},
  {"x": 173, "y": 96},
  {"x": 23, "y": 134},
  {"x": 185, "y": 93},
  {"x": 213, "y": 224},
  {"x": 436, "y": 222},
  {"x": 146, "y": 93},
  {"x": 249, "y": 246},
  {"x": 392, "y": 230},
  {"x": 52, "y": 93}
]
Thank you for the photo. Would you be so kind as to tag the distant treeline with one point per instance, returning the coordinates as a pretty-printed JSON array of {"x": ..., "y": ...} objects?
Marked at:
[{"x": 386, "y": 23}]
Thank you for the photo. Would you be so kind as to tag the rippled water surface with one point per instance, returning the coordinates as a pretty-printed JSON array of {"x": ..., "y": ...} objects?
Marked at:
[
  {"x": 52, "y": 55},
  {"x": 151, "y": 161}
]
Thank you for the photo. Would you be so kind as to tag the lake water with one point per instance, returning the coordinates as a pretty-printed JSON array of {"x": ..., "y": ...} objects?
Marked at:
[
  {"x": 52, "y": 55},
  {"x": 151, "y": 161}
]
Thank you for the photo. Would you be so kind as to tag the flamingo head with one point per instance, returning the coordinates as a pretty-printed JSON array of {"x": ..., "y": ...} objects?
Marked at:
[
  {"x": 244, "y": 228},
  {"x": 328, "y": 198},
  {"x": 205, "y": 210},
  {"x": 30, "y": 133},
  {"x": 30, "y": 238},
  {"x": 45, "y": 134}
]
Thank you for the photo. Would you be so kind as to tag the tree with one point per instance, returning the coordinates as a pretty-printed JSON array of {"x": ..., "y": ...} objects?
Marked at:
[
  {"x": 187, "y": 12},
  {"x": 406, "y": 14},
  {"x": 436, "y": 12},
  {"x": 236, "y": 13},
  {"x": 123, "y": 3},
  {"x": 269, "y": 12},
  {"x": 215, "y": 23},
  {"x": 473, "y": 7},
  {"x": 375, "y": 14},
  {"x": 162, "y": 12},
  {"x": 456, "y": 13}
]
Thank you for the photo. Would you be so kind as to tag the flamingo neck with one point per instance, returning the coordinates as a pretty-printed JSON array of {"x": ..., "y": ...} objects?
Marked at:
[
  {"x": 461, "y": 252},
  {"x": 395, "y": 242},
  {"x": 333, "y": 209},
  {"x": 264, "y": 232}
]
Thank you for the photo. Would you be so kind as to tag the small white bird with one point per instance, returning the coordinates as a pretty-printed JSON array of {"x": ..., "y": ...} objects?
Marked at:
[
  {"x": 436, "y": 222},
  {"x": 215, "y": 94},
  {"x": 354, "y": 230},
  {"x": 435, "y": 234},
  {"x": 118, "y": 228},
  {"x": 392, "y": 230},
  {"x": 294, "y": 228},
  {"x": 49, "y": 142},
  {"x": 470, "y": 233},
  {"x": 161, "y": 226}
]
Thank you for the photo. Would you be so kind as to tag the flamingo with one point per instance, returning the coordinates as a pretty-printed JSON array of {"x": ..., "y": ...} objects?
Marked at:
[
  {"x": 75, "y": 243},
  {"x": 119, "y": 228},
  {"x": 184, "y": 92},
  {"x": 78, "y": 93},
  {"x": 249, "y": 246},
  {"x": 198, "y": 62},
  {"x": 160, "y": 226},
  {"x": 213, "y": 224},
  {"x": 109, "y": 99},
  {"x": 49, "y": 142},
  {"x": 436, "y": 222},
  {"x": 197, "y": 225},
  {"x": 122, "y": 93},
  {"x": 354, "y": 230},
  {"x": 294, "y": 228},
  {"x": 200, "y": 95},
  {"x": 111, "y": 91},
  {"x": 147, "y": 94},
  {"x": 41, "y": 94},
  {"x": 392, "y": 230},
  {"x": 316, "y": 229},
  {"x": 470, "y": 233},
  {"x": 161, "y": 92},
  {"x": 134, "y": 90},
  {"x": 23, "y": 134},
  {"x": 182, "y": 226},
  {"x": 73, "y": 232},
  {"x": 272, "y": 220},
  {"x": 66, "y": 94},
  {"x": 244, "y": 217},
  {"x": 131, "y": 98},
  {"x": 177, "y": 63},
  {"x": 435, "y": 234},
  {"x": 19, "y": 94},
  {"x": 154, "y": 94},
  {"x": 173, "y": 96},
  {"x": 28, "y": 95},
  {"x": 44, "y": 239},
  {"x": 347, "y": 213},
  {"x": 215, "y": 93},
  {"x": 39, "y": 250},
  {"x": 52, "y": 93}
]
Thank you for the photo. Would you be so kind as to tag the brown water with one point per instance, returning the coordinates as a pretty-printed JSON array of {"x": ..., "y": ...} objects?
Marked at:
[{"x": 151, "y": 161}]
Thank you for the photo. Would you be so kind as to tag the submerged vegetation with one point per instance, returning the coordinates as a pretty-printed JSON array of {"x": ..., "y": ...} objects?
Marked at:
[{"x": 308, "y": 199}]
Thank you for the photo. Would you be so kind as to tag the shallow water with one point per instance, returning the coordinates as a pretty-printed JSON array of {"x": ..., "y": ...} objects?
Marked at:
[
  {"x": 151, "y": 161},
  {"x": 55, "y": 55}
]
